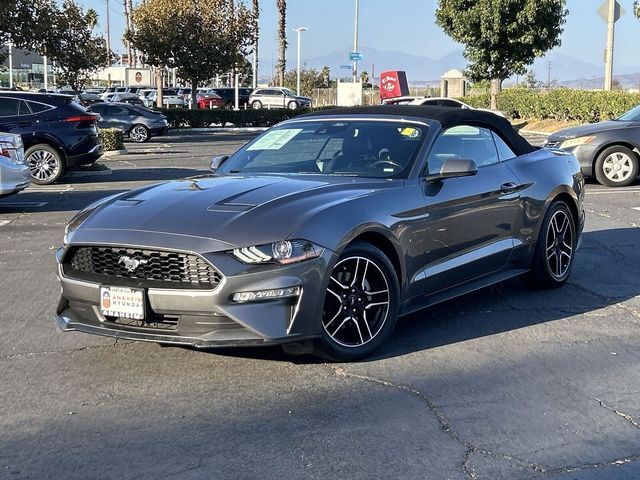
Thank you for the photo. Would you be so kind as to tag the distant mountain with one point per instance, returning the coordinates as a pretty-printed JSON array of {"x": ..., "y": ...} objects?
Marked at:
[
  {"x": 567, "y": 71},
  {"x": 418, "y": 68}
]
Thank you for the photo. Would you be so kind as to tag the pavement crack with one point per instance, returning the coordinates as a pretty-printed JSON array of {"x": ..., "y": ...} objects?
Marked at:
[
  {"x": 622, "y": 414},
  {"x": 443, "y": 423},
  {"x": 62, "y": 352},
  {"x": 592, "y": 466}
]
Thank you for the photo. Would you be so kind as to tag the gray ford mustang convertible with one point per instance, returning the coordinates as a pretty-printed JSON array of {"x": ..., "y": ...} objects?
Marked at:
[{"x": 323, "y": 230}]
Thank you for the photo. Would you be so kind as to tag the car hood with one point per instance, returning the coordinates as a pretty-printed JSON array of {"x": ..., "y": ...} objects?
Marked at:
[
  {"x": 588, "y": 129},
  {"x": 237, "y": 210}
]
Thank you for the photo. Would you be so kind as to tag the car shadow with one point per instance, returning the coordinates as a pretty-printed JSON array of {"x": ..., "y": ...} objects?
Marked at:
[
  {"x": 603, "y": 276},
  {"x": 39, "y": 201},
  {"x": 140, "y": 174}
]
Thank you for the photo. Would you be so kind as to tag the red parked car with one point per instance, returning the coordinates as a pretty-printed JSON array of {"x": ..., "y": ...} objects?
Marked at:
[{"x": 210, "y": 100}]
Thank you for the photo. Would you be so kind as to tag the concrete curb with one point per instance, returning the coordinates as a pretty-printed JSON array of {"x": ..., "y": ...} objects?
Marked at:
[
  {"x": 535, "y": 132},
  {"x": 220, "y": 129},
  {"x": 113, "y": 153}
]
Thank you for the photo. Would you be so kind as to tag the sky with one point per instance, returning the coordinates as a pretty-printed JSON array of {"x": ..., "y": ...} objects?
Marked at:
[{"x": 406, "y": 26}]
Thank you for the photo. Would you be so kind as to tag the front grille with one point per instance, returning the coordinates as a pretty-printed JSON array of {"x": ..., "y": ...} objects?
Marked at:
[{"x": 140, "y": 267}]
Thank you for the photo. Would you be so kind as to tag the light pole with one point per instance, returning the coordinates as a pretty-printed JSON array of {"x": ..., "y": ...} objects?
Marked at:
[
  {"x": 10, "y": 45},
  {"x": 355, "y": 42},
  {"x": 299, "y": 30}
]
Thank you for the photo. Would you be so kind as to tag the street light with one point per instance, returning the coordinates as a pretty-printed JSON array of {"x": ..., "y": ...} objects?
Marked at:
[
  {"x": 10, "y": 45},
  {"x": 299, "y": 30}
]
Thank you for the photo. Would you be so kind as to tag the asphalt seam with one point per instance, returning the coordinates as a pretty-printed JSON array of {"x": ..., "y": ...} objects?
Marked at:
[
  {"x": 444, "y": 424},
  {"x": 68, "y": 351},
  {"x": 628, "y": 418}
]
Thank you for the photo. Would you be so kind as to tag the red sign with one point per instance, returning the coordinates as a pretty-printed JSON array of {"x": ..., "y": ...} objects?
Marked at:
[{"x": 393, "y": 83}]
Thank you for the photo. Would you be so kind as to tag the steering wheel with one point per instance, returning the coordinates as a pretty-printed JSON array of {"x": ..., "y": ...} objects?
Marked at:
[{"x": 388, "y": 162}]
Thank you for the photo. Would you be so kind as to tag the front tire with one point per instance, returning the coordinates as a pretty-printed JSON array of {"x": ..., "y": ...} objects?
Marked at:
[
  {"x": 139, "y": 133},
  {"x": 292, "y": 105},
  {"x": 361, "y": 304},
  {"x": 616, "y": 166},
  {"x": 45, "y": 164},
  {"x": 555, "y": 250}
]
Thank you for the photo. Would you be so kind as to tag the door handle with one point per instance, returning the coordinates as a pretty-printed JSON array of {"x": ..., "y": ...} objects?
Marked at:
[{"x": 508, "y": 187}]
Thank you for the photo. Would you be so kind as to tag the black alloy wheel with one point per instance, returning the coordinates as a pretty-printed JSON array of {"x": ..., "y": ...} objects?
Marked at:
[
  {"x": 556, "y": 248},
  {"x": 360, "y": 306}
]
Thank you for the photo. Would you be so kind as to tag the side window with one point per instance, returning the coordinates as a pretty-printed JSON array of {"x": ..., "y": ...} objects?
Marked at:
[
  {"x": 23, "y": 108},
  {"x": 9, "y": 107},
  {"x": 504, "y": 151},
  {"x": 259, "y": 92},
  {"x": 38, "y": 107},
  {"x": 449, "y": 103},
  {"x": 463, "y": 142},
  {"x": 118, "y": 111},
  {"x": 97, "y": 109}
]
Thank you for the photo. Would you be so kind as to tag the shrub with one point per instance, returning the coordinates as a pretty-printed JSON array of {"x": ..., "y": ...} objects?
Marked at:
[
  {"x": 112, "y": 139},
  {"x": 183, "y": 117},
  {"x": 560, "y": 104}
]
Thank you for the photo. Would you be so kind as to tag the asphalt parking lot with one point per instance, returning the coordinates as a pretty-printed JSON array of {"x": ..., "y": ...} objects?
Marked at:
[{"x": 505, "y": 383}]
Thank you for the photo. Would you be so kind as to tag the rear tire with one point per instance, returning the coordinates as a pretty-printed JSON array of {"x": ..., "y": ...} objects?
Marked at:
[
  {"x": 139, "y": 133},
  {"x": 256, "y": 105},
  {"x": 555, "y": 250},
  {"x": 361, "y": 304},
  {"x": 616, "y": 166},
  {"x": 45, "y": 164}
]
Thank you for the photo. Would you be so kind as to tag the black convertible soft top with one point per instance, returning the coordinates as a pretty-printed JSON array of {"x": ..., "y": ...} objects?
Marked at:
[{"x": 445, "y": 116}]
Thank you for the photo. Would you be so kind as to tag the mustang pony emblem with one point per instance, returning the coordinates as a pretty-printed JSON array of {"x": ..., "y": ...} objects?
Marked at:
[{"x": 130, "y": 264}]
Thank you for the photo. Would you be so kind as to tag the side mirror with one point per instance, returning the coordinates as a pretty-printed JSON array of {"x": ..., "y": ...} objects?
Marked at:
[
  {"x": 456, "y": 167},
  {"x": 216, "y": 162}
]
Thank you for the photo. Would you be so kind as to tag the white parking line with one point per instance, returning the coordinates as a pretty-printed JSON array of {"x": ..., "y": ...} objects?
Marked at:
[
  {"x": 4, "y": 222},
  {"x": 636, "y": 208},
  {"x": 612, "y": 191},
  {"x": 22, "y": 204},
  {"x": 50, "y": 188}
]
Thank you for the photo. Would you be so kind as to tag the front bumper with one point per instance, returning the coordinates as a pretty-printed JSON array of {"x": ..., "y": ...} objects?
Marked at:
[
  {"x": 207, "y": 318},
  {"x": 13, "y": 177}
]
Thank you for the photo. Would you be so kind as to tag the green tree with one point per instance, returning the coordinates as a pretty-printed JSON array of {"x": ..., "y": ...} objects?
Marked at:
[
  {"x": 530, "y": 81},
  {"x": 636, "y": 9},
  {"x": 326, "y": 76},
  {"x": 197, "y": 37},
  {"x": 282, "y": 40},
  {"x": 24, "y": 23},
  {"x": 310, "y": 79},
  {"x": 502, "y": 37},
  {"x": 70, "y": 43}
]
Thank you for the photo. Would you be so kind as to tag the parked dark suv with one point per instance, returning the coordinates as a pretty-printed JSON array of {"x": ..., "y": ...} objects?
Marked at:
[
  {"x": 57, "y": 132},
  {"x": 228, "y": 94}
]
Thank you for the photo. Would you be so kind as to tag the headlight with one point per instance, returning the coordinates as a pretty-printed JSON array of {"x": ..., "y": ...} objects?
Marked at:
[
  {"x": 574, "y": 142},
  {"x": 284, "y": 252}
]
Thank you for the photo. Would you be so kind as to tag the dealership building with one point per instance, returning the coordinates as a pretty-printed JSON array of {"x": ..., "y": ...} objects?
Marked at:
[{"x": 28, "y": 69}]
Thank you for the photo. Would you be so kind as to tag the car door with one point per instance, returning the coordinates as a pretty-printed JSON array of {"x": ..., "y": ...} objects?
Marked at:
[
  {"x": 119, "y": 117},
  {"x": 470, "y": 220},
  {"x": 15, "y": 116}
]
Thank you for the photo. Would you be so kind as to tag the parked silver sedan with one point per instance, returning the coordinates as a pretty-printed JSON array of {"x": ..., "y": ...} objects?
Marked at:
[{"x": 14, "y": 172}]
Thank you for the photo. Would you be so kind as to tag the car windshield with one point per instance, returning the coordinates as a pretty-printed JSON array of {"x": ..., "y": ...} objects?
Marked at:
[
  {"x": 379, "y": 149},
  {"x": 632, "y": 115}
]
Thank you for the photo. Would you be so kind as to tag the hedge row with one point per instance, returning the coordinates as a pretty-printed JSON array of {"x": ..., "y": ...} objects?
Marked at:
[
  {"x": 563, "y": 104},
  {"x": 182, "y": 117}
]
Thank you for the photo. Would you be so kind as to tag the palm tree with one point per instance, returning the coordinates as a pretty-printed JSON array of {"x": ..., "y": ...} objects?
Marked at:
[
  {"x": 256, "y": 32},
  {"x": 282, "y": 40},
  {"x": 636, "y": 9}
]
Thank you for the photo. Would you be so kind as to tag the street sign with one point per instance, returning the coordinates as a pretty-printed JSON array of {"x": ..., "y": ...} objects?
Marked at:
[
  {"x": 346, "y": 67},
  {"x": 603, "y": 11},
  {"x": 355, "y": 56}
]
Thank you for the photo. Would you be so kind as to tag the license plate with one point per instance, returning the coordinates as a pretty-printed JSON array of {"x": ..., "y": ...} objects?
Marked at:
[{"x": 122, "y": 302}]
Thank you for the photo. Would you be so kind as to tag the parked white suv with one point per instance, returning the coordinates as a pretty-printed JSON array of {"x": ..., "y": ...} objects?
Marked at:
[{"x": 277, "y": 97}]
